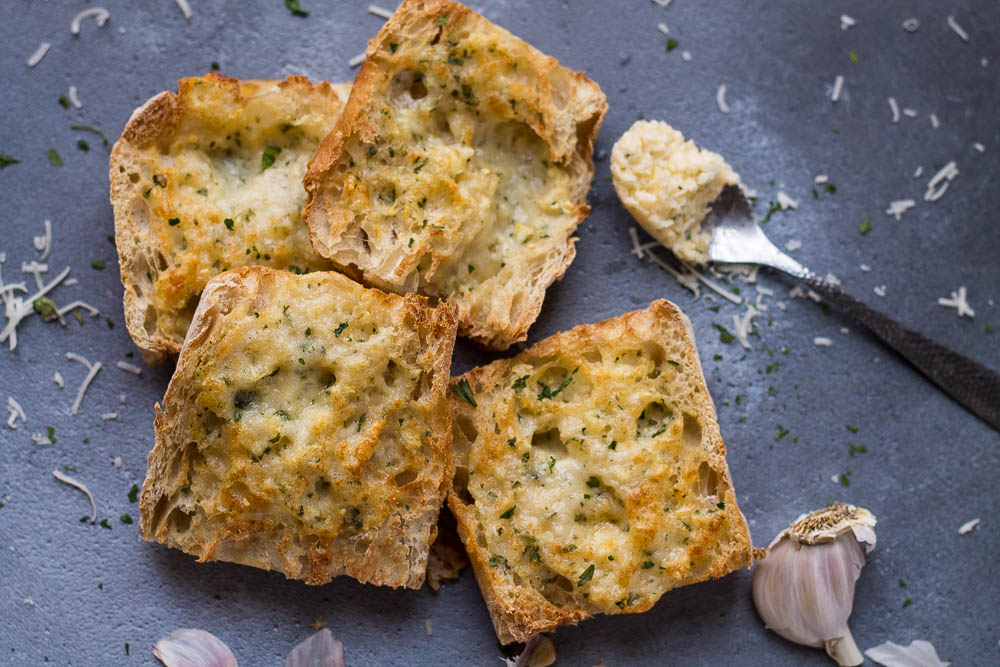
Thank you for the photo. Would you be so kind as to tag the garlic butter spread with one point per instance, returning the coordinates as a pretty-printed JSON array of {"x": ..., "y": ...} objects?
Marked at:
[{"x": 667, "y": 184}]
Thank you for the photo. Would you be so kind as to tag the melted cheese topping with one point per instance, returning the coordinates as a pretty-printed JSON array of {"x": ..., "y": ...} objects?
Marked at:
[
  {"x": 225, "y": 187},
  {"x": 456, "y": 196},
  {"x": 667, "y": 184},
  {"x": 590, "y": 476},
  {"x": 310, "y": 412}
]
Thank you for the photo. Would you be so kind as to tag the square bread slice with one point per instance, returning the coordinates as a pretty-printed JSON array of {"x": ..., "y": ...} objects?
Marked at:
[
  {"x": 208, "y": 179},
  {"x": 305, "y": 430},
  {"x": 591, "y": 476},
  {"x": 459, "y": 169}
]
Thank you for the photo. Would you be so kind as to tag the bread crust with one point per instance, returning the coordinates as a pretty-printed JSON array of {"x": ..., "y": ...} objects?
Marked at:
[
  {"x": 392, "y": 553},
  {"x": 566, "y": 116},
  {"x": 520, "y": 611},
  {"x": 157, "y": 121}
]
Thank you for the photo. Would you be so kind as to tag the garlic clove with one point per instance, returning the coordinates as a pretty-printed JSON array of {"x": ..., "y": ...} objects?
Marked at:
[
  {"x": 320, "y": 650},
  {"x": 804, "y": 588},
  {"x": 193, "y": 648},
  {"x": 919, "y": 653}
]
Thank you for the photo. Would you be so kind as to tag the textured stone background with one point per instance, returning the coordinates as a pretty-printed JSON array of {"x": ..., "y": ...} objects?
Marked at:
[{"x": 930, "y": 466}]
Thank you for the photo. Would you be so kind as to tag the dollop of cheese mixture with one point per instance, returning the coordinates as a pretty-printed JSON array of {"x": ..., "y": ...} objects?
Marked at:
[{"x": 668, "y": 184}]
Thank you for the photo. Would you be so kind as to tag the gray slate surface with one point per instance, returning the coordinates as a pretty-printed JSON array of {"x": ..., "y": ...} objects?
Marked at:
[{"x": 930, "y": 466}]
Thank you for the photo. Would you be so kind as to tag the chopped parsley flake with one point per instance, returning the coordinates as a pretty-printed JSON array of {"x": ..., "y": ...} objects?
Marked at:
[
  {"x": 228, "y": 222},
  {"x": 173, "y": 222},
  {"x": 133, "y": 493},
  {"x": 648, "y": 564},
  {"x": 271, "y": 152},
  {"x": 547, "y": 392},
  {"x": 672, "y": 44},
  {"x": 464, "y": 392},
  {"x": 496, "y": 560},
  {"x": 865, "y": 226},
  {"x": 782, "y": 432},
  {"x": 54, "y": 158},
  {"x": 593, "y": 481},
  {"x": 295, "y": 9},
  {"x": 853, "y": 55},
  {"x": 586, "y": 576},
  {"x": 857, "y": 449},
  {"x": 7, "y": 160},
  {"x": 509, "y": 512},
  {"x": 724, "y": 335},
  {"x": 126, "y": 518},
  {"x": 340, "y": 329},
  {"x": 45, "y": 307},
  {"x": 82, "y": 145},
  {"x": 520, "y": 382},
  {"x": 97, "y": 264}
]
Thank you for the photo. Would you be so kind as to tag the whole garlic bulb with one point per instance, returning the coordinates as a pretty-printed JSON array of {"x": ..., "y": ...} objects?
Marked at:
[{"x": 804, "y": 588}]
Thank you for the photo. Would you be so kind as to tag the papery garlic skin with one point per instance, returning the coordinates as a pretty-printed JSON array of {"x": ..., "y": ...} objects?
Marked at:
[
  {"x": 804, "y": 588},
  {"x": 319, "y": 649},
  {"x": 193, "y": 648}
]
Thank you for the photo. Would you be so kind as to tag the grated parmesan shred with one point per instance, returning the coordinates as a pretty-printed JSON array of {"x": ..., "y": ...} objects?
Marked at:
[
  {"x": 894, "y": 107},
  {"x": 935, "y": 123},
  {"x": 720, "y": 99},
  {"x": 379, "y": 11},
  {"x": 58, "y": 379},
  {"x": 17, "y": 308},
  {"x": 821, "y": 179},
  {"x": 838, "y": 86},
  {"x": 847, "y": 22},
  {"x": 743, "y": 325},
  {"x": 957, "y": 29},
  {"x": 92, "y": 370},
  {"x": 356, "y": 60},
  {"x": 968, "y": 526},
  {"x": 979, "y": 147},
  {"x": 793, "y": 244},
  {"x": 184, "y": 7},
  {"x": 958, "y": 301},
  {"x": 911, "y": 24},
  {"x": 129, "y": 368},
  {"x": 74, "y": 99},
  {"x": 822, "y": 341},
  {"x": 100, "y": 14},
  {"x": 686, "y": 55},
  {"x": 662, "y": 27},
  {"x": 786, "y": 202},
  {"x": 66, "y": 479},
  {"x": 109, "y": 416},
  {"x": 43, "y": 243},
  {"x": 662, "y": 3},
  {"x": 15, "y": 412},
  {"x": 879, "y": 290},
  {"x": 910, "y": 113},
  {"x": 899, "y": 207},
  {"x": 939, "y": 183},
  {"x": 39, "y": 53}
]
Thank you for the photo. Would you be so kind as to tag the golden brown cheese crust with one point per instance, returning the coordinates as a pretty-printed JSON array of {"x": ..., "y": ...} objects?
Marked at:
[
  {"x": 591, "y": 475},
  {"x": 306, "y": 429},
  {"x": 193, "y": 197},
  {"x": 458, "y": 170}
]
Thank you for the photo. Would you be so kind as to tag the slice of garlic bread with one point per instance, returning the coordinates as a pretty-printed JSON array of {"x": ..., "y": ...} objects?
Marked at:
[
  {"x": 459, "y": 168},
  {"x": 305, "y": 430},
  {"x": 591, "y": 476},
  {"x": 208, "y": 179}
]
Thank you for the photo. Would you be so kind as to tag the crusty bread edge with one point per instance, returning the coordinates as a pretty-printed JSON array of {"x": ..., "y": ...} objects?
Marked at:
[
  {"x": 223, "y": 290},
  {"x": 520, "y": 622},
  {"x": 156, "y": 117}
]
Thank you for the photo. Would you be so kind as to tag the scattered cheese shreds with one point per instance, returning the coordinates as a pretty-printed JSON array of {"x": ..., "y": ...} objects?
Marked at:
[
  {"x": 686, "y": 55},
  {"x": 40, "y": 439},
  {"x": 15, "y": 412},
  {"x": 879, "y": 290},
  {"x": 74, "y": 99},
  {"x": 979, "y": 147},
  {"x": 911, "y": 24},
  {"x": 821, "y": 178},
  {"x": 846, "y": 22},
  {"x": 99, "y": 13},
  {"x": 43, "y": 243},
  {"x": 910, "y": 113},
  {"x": 662, "y": 3},
  {"x": 793, "y": 244},
  {"x": 379, "y": 11},
  {"x": 838, "y": 86},
  {"x": 17, "y": 309},
  {"x": 109, "y": 416},
  {"x": 786, "y": 202},
  {"x": 957, "y": 29},
  {"x": 935, "y": 123},
  {"x": 636, "y": 248},
  {"x": 184, "y": 7},
  {"x": 58, "y": 379},
  {"x": 129, "y": 368},
  {"x": 968, "y": 527},
  {"x": 894, "y": 107},
  {"x": 899, "y": 207},
  {"x": 66, "y": 479},
  {"x": 39, "y": 53},
  {"x": 715, "y": 287},
  {"x": 959, "y": 302},
  {"x": 78, "y": 304},
  {"x": 356, "y": 60},
  {"x": 822, "y": 341},
  {"x": 743, "y": 325},
  {"x": 92, "y": 370},
  {"x": 918, "y": 172},
  {"x": 720, "y": 99},
  {"x": 939, "y": 183},
  {"x": 662, "y": 27}
]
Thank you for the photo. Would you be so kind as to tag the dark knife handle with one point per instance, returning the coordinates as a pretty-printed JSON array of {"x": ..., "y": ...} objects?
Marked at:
[{"x": 973, "y": 385}]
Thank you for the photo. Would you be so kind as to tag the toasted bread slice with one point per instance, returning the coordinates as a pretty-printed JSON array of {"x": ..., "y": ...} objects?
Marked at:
[
  {"x": 208, "y": 179},
  {"x": 591, "y": 476},
  {"x": 305, "y": 430},
  {"x": 458, "y": 170}
]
